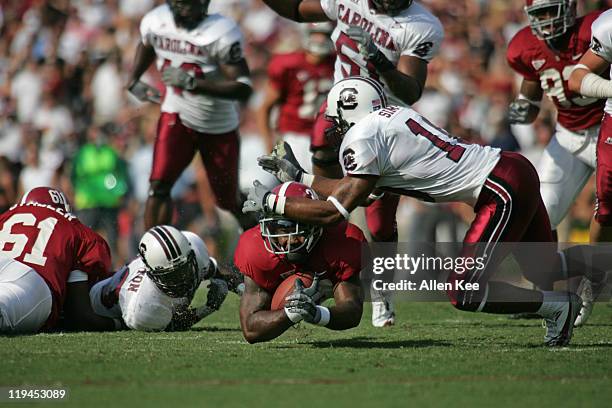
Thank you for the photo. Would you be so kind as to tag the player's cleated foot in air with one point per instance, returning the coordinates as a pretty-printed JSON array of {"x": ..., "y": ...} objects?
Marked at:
[
  {"x": 560, "y": 320},
  {"x": 589, "y": 291}
]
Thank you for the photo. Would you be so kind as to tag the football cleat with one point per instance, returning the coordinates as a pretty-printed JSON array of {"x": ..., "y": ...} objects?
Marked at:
[
  {"x": 560, "y": 321},
  {"x": 589, "y": 291},
  {"x": 383, "y": 312}
]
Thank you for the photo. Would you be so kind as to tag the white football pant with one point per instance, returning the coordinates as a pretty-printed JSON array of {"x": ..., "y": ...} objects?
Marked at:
[
  {"x": 565, "y": 167},
  {"x": 25, "y": 298}
]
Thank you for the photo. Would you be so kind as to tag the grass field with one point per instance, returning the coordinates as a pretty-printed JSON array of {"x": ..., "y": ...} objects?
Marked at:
[{"x": 434, "y": 356}]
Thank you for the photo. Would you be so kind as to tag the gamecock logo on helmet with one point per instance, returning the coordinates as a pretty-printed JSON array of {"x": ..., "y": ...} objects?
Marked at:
[{"x": 348, "y": 99}]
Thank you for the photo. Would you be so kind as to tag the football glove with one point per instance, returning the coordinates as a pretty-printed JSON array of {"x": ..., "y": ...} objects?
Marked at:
[
  {"x": 518, "y": 111},
  {"x": 301, "y": 304},
  {"x": 217, "y": 292},
  {"x": 173, "y": 76},
  {"x": 366, "y": 46},
  {"x": 144, "y": 92},
  {"x": 282, "y": 163},
  {"x": 256, "y": 200}
]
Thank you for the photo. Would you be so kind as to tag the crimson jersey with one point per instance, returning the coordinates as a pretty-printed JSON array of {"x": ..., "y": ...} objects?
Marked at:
[
  {"x": 303, "y": 86},
  {"x": 338, "y": 254},
  {"x": 53, "y": 243},
  {"x": 533, "y": 59}
]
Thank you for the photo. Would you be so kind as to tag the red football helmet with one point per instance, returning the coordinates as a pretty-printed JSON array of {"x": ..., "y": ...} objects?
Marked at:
[
  {"x": 283, "y": 236},
  {"x": 49, "y": 196},
  {"x": 550, "y": 18},
  {"x": 390, "y": 7}
]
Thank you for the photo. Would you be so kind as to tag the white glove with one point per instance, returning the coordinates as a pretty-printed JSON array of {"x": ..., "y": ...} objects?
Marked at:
[
  {"x": 282, "y": 163},
  {"x": 366, "y": 46}
]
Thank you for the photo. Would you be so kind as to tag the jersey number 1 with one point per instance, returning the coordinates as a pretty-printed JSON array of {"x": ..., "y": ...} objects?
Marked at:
[
  {"x": 453, "y": 151},
  {"x": 19, "y": 241}
]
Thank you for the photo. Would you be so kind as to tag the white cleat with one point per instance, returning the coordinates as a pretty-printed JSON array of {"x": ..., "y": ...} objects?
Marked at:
[
  {"x": 560, "y": 320},
  {"x": 585, "y": 290}
]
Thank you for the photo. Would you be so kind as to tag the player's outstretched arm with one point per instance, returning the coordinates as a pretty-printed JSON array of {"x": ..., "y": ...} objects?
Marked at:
[
  {"x": 144, "y": 57},
  {"x": 258, "y": 322},
  {"x": 525, "y": 108},
  {"x": 586, "y": 79},
  {"x": 298, "y": 10},
  {"x": 348, "y": 298},
  {"x": 407, "y": 80},
  {"x": 79, "y": 313}
]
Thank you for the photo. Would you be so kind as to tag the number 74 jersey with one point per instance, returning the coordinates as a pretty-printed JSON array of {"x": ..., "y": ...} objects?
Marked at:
[{"x": 413, "y": 157}]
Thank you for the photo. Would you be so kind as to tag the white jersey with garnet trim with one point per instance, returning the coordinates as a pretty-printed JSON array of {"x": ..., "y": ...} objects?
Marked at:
[
  {"x": 601, "y": 44},
  {"x": 133, "y": 296},
  {"x": 413, "y": 157},
  {"x": 414, "y": 32},
  {"x": 216, "y": 40}
]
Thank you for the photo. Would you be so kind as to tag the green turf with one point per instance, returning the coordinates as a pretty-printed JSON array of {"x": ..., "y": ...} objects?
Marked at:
[{"x": 434, "y": 356}]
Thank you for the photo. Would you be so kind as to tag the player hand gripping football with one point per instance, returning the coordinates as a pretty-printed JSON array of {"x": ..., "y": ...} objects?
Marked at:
[
  {"x": 282, "y": 164},
  {"x": 302, "y": 303}
]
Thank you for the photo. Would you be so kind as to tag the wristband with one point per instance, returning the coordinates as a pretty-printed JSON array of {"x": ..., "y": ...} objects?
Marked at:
[
  {"x": 325, "y": 316},
  {"x": 339, "y": 207},
  {"x": 375, "y": 197},
  {"x": 307, "y": 179},
  {"x": 595, "y": 86}
]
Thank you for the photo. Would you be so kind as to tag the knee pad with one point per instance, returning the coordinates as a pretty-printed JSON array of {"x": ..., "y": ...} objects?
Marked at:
[{"x": 159, "y": 189}]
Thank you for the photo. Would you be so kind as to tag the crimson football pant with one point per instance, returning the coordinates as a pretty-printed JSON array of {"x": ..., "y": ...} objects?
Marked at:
[
  {"x": 603, "y": 210},
  {"x": 509, "y": 209},
  {"x": 175, "y": 146}
]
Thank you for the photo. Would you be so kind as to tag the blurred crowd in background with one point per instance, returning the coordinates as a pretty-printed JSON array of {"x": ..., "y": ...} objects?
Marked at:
[{"x": 66, "y": 120}]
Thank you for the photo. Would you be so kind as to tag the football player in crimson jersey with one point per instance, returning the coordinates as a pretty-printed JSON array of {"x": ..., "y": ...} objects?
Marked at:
[
  {"x": 396, "y": 149},
  {"x": 545, "y": 54},
  {"x": 48, "y": 260},
  {"x": 298, "y": 83},
  {"x": 205, "y": 73},
  {"x": 279, "y": 247},
  {"x": 391, "y": 41}
]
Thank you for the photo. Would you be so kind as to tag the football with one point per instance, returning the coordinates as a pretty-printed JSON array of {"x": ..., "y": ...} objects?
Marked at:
[{"x": 287, "y": 286}]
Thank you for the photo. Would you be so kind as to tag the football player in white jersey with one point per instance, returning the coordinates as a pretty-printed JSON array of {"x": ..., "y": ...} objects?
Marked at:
[
  {"x": 153, "y": 292},
  {"x": 590, "y": 78},
  {"x": 396, "y": 149},
  {"x": 391, "y": 41},
  {"x": 205, "y": 73}
]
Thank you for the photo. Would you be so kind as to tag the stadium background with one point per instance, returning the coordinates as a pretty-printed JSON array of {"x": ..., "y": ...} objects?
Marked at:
[{"x": 63, "y": 67}]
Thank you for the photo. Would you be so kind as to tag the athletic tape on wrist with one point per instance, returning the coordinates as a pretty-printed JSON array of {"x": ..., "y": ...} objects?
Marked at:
[
  {"x": 307, "y": 179},
  {"x": 339, "y": 207},
  {"x": 325, "y": 316}
]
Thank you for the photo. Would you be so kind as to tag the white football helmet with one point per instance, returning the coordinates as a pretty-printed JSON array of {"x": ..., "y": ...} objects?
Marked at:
[
  {"x": 170, "y": 260},
  {"x": 352, "y": 99},
  {"x": 550, "y": 19},
  {"x": 201, "y": 253}
]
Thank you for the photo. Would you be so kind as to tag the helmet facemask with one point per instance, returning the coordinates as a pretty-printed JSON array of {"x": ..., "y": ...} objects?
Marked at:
[
  {"x": 179, "y": 279},
  {"x": 293, "y": 239},
  {"x": 551, "y": 19}
]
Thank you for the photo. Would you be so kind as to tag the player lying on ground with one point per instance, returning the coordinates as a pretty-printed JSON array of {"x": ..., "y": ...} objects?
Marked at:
[
  {"x": 48, "y": 261},
  {"x": 396, "y": 149},
  {"x": 154, "y": 291},
  {"x": 280, "y": 247}
]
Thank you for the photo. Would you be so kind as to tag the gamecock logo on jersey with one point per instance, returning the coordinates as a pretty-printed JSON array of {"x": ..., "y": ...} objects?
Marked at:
[
  {"x": 348, "y": 158},
  {"x": 348, "y": 99}
]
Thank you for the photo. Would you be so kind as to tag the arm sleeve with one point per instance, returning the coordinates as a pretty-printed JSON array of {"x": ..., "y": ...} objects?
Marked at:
[
  {"x": 601, "y": 36},
  {"x": 329, "y": 7},
  {"x": 514, "y": 56},
  {"x": 359, "y": 157},
  {"x": 145, "y": 30},
  {"x": 229, "y": 48},
  {"x": 94, "y": 256},
  {"x": 422, "y": 40}
]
